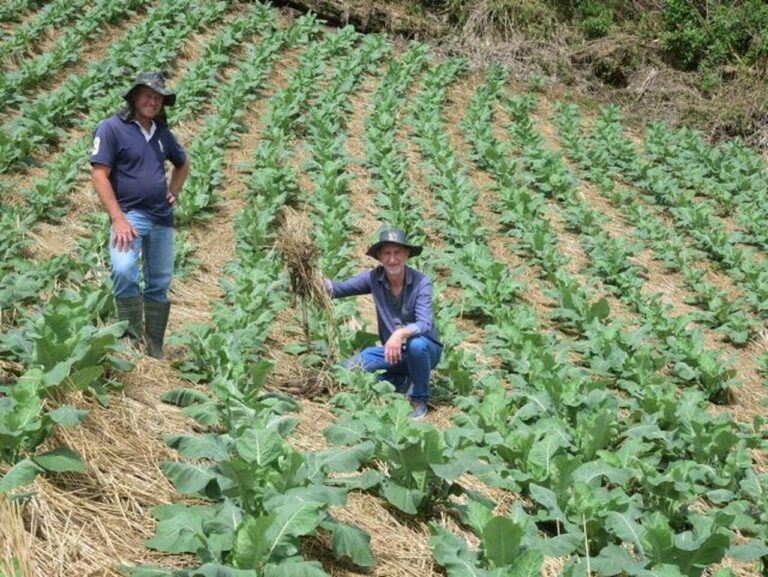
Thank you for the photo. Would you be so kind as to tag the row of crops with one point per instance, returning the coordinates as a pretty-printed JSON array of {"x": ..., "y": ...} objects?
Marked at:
[{"x": 595, "y": 414}]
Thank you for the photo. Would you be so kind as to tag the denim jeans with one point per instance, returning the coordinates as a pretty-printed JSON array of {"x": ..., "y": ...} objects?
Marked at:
[
  {"x": 421, "y": 356},
  {"x": 155, "y": 244}
]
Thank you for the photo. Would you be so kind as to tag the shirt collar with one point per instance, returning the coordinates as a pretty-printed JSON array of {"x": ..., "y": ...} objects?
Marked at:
[
  {"x": 382, "y": 276},
  {"x": 148, "y": 134}
]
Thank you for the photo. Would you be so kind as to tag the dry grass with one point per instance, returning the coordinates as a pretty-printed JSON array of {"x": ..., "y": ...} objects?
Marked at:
[
  {"x": 16, "y": 556},
  {"x": 87, "y": 524}
]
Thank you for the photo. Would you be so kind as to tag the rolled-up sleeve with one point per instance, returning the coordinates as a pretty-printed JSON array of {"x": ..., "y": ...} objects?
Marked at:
[
  {"x": 360, "y": 284},
  {"x": 422, "y": 309}
]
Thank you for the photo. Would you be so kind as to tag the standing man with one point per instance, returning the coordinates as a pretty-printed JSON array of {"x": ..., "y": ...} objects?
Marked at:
[
  {"x": 128, "y": 172},
  {"x": 403, "y": 299}
]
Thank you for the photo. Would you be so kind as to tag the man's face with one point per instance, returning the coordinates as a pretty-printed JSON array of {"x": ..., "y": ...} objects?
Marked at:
[
  {"x": 393, "y": 257},
  {"x": 146, "y": 102}
]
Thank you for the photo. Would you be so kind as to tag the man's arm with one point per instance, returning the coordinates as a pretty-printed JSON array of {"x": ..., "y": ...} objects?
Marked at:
[
  {"x": 123, "y": 233},
  {"x": 360, "y": 284},
  {"x": 178, "y": 177}
]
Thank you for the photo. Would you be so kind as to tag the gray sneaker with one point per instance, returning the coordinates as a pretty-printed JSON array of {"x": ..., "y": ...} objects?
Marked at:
[{"x": 419, "y": 410}]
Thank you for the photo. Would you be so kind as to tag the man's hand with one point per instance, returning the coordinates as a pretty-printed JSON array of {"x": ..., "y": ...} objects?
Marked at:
[
  {"x": 393, "y": 349},
  {"x": 123, "y": 234},
  {"x": 171, "y": 198}
]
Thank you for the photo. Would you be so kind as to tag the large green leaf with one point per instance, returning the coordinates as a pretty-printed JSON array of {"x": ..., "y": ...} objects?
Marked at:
[
  {"x": 221, "y": 527},
  {"x": 501, "y": 540},
  {"x": 626, "y": 528},
  {"x": 456, "y": 467},
  {"x": 179, "y": 528},
  {"x": 294, "y": 519},
  {"x": 452, "y": 553},
  {"x": 407, "y": 500},
  {"x": 295, "y": 567},
  {"x": 599, "y": 433},
  {"x": 527, "y": 564},
  {"x": 362, "y": 482},
  {"x": 658, "y": 540},
  {"x": 184, "y": 397},
  {"x": 68, "y": 416},
  {"x": 82, "y": 378},
  {"x": 189, "y": 479},
  {"x": 60, "y": 371},
  {"x": 543, "y": 451},
  {"x": 214, "y": 570},
  {"x": 60, "y": 460},
  {"x": 662, "y": 570},
  {"x": 273, "y": 537},
  {"x": 330, "y": 496},
  {"x": 210, "y": 446},
  {"x": 22, "y": 473},
  {"x": 347, "y": 459},
  {"x": 260, "y": 446},
  {"x": 562, "y": 545},
  {"x": 694, "y": 555},
  {"x": 615, "y": 560},
  {"x": 592, "y": 471},
  {"x": 548, "y": 499},
  {"x": 207, "y": 414},
  {"x": 749, "y": 551},
  {"x": 251, "y": 545},
  {"x": 348, "y": 541}
]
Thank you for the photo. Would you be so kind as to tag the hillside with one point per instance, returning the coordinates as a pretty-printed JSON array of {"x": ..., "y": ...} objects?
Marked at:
[{"x": 599, "y": 286}]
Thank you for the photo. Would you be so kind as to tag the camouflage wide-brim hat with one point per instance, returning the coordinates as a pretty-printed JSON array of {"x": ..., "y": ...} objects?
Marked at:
[
  {"x": 393, "y": 236},
  {"x": 156, "y": 82}
]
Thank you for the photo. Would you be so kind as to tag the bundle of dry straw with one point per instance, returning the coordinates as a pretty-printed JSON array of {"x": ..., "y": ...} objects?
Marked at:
[{"x": 307, "y": 283}]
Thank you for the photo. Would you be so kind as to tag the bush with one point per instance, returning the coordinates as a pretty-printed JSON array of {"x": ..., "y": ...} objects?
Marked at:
[
  {"x": 714, "y": 32},
  {"x": 596, "y": 20}
]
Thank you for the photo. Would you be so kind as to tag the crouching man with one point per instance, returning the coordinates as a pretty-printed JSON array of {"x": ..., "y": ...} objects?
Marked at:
[{"x": 403, "y": 299}]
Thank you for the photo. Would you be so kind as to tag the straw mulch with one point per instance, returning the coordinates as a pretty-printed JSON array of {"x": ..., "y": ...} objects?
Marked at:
[
  {"x": 88, "y": 524},
  {"x": 16, "y": 557}
]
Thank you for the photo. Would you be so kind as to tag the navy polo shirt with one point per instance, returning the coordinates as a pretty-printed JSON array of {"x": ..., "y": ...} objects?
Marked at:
[{"x": 137, "y": 166}]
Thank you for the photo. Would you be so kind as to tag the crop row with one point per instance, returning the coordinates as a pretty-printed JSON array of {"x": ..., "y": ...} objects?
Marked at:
[
  {"x": 268, "y": 494},
  {"x": 42, "y": 121},
  {"x": 27, "y": 34},
  {"x": 67, "y": 50}
]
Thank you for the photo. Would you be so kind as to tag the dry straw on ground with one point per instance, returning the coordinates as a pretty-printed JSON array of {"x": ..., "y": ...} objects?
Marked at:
[{"x": 15, "y": 549}]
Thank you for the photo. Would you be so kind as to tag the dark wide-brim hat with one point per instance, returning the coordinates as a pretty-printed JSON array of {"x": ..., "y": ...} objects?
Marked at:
[
  {"x": 156, "y": 82},
  {"x": 393, "y": 236}
]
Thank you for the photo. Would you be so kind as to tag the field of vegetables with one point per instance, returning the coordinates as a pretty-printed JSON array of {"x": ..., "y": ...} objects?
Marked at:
[{"x": 602, "y": 293}]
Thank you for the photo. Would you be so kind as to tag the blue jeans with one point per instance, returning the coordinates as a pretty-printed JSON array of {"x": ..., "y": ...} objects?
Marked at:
[
  {"x": 421, "y": 356},
  {"x": 155, "y": 243}
]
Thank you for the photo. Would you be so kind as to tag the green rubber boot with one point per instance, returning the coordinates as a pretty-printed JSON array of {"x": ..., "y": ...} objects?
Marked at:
[
  {"x": 155, "y": 319},
  {"x": 131, "y": 310}
]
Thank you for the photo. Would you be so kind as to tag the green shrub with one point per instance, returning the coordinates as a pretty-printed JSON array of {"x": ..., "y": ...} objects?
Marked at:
[
  {"x": 596, "y": 19},
  {"x": 713, "y": 32}
]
